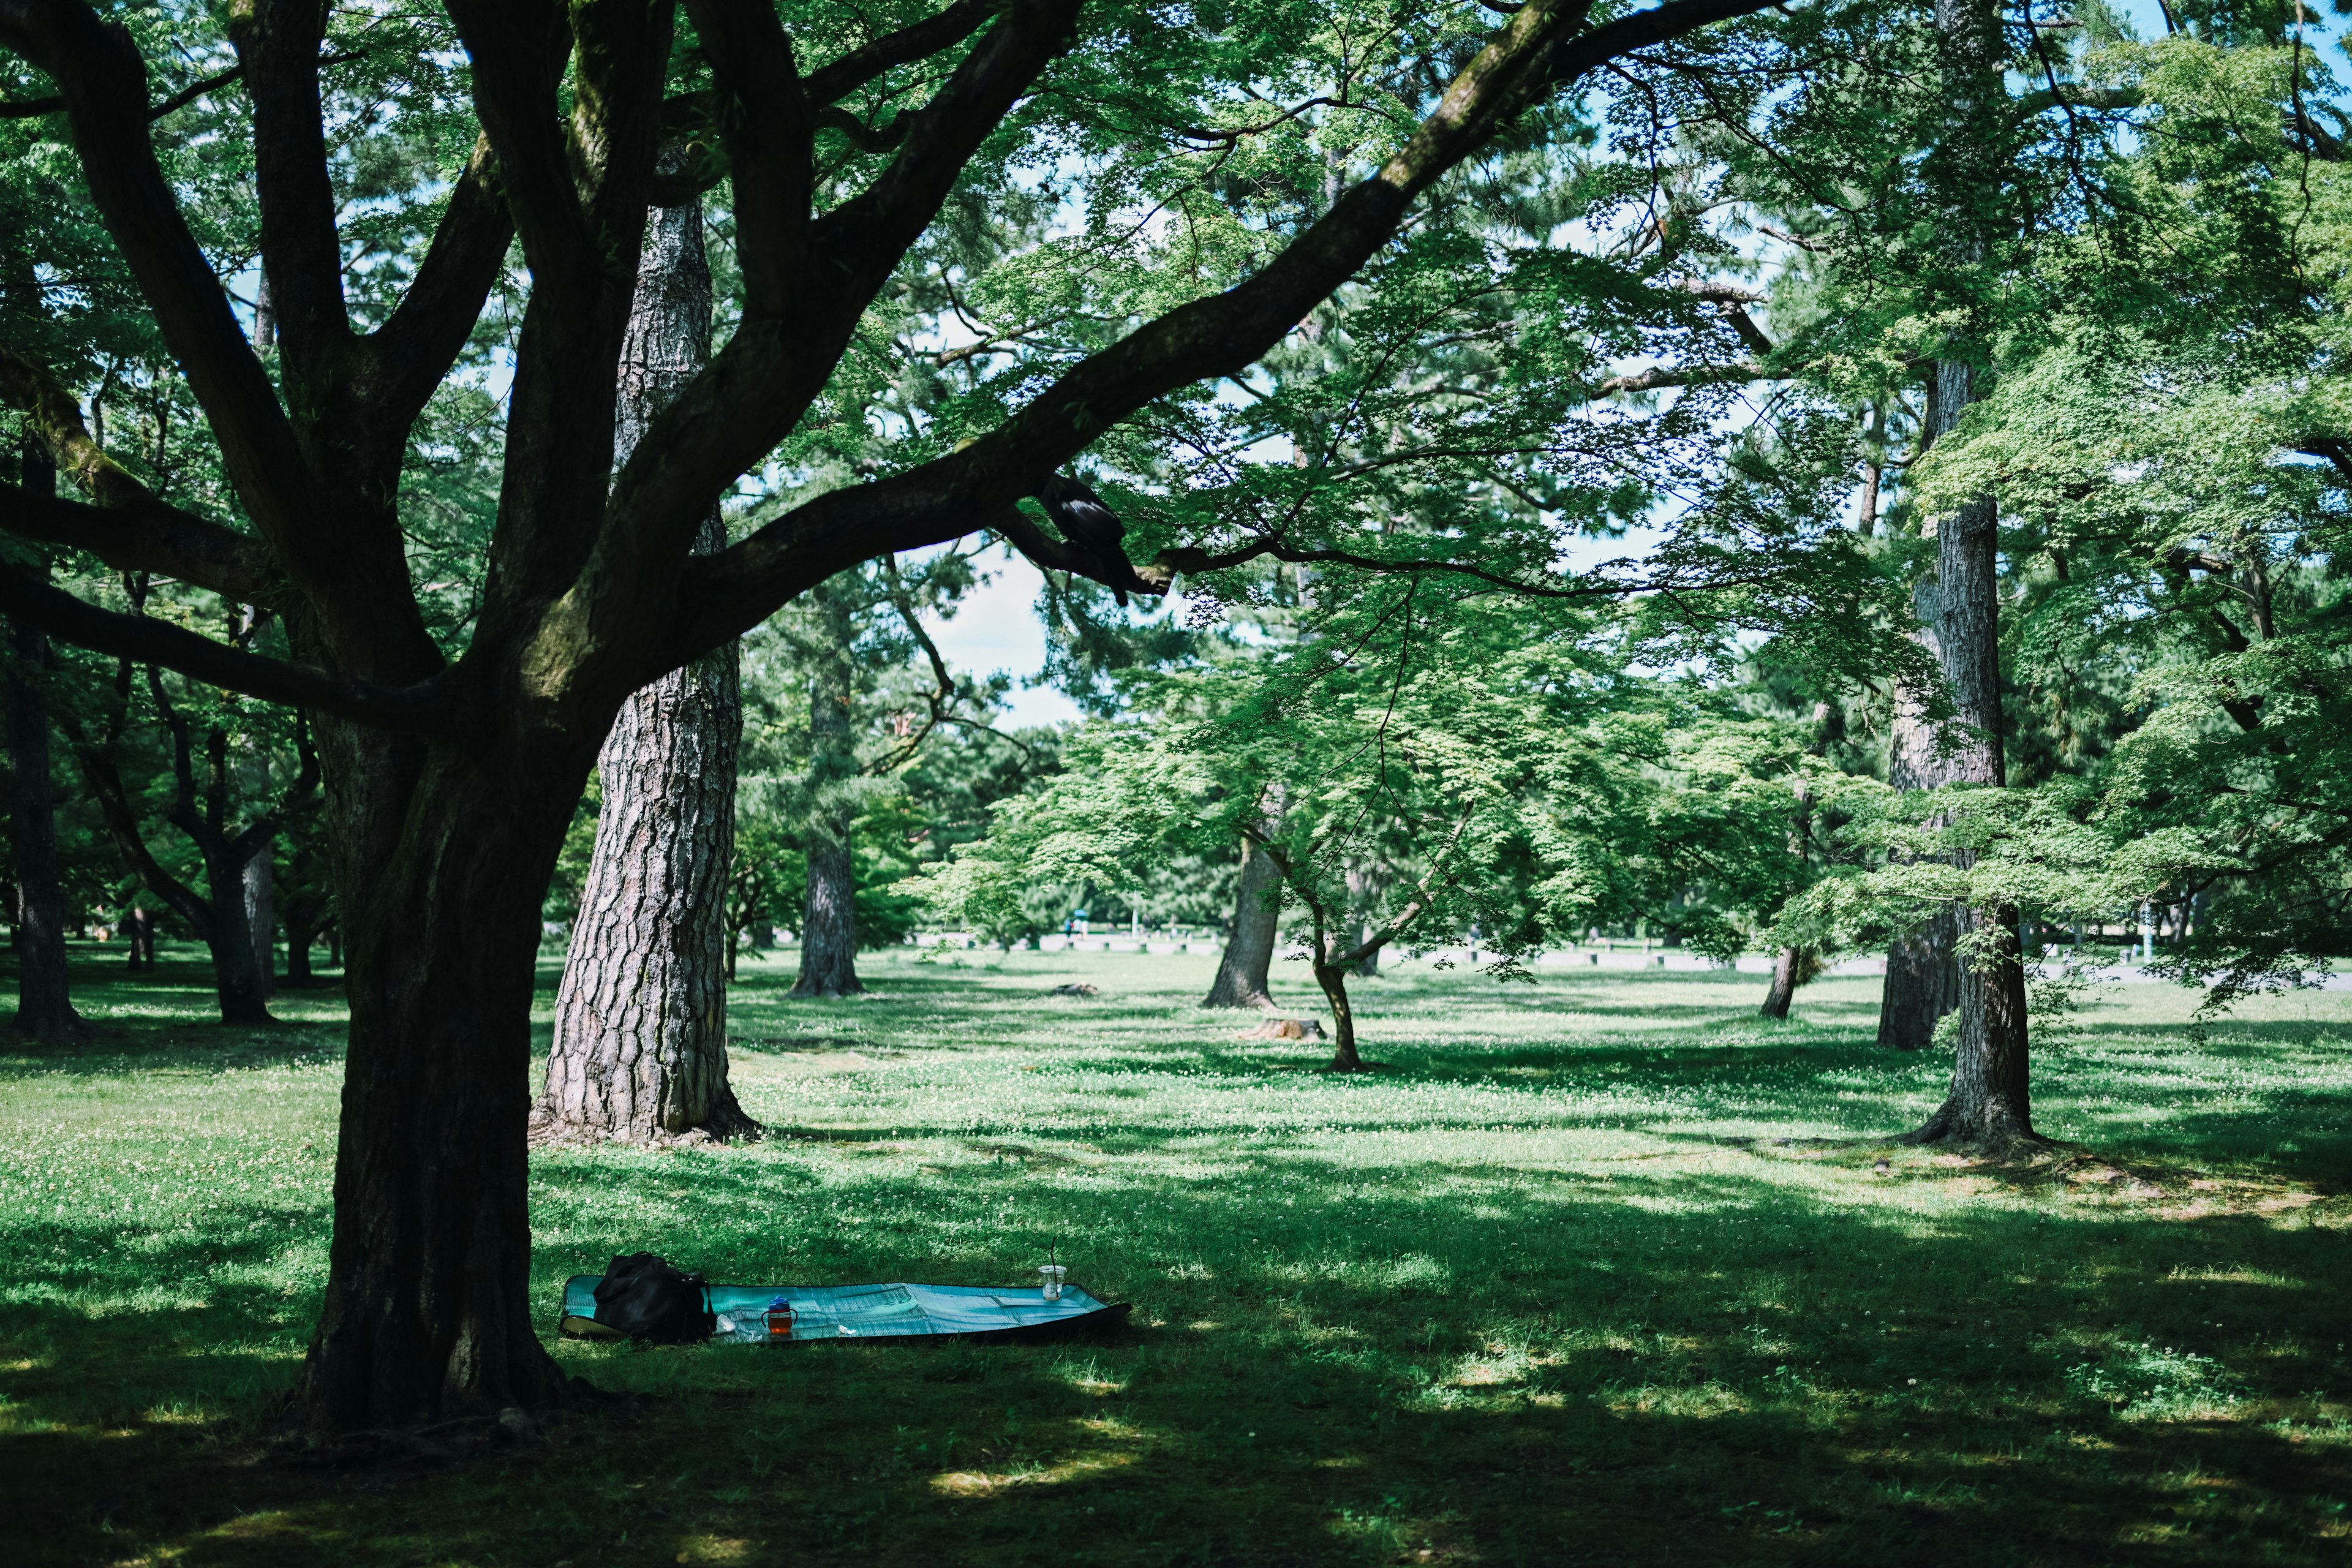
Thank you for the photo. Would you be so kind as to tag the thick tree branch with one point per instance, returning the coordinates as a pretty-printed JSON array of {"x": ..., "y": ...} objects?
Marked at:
[
  {"x": 104, "y": 85},
  {"x": 422, "y": 709},
  {"x": 129, "y": 528},
  {"x": 277, "y": 42},
  {"x": 834, "y": 82},
  {"x": 518, "y": 49},
  {"x": 425, "y": 334},
  {"x": 764, "y": 122}
]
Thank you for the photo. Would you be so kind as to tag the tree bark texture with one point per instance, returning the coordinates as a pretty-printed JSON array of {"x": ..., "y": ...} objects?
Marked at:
[
  {"x": 428, "y": 1312},
  {"x": 1966, "y": 168},
  {"x": 261, "y": 919},
  {"x": 45, "y": 1008},
  {"x": 639, "y": 1053},
  {"x": 829, "y": 915},
  {"x": 1923, "y": 966},
  {"x": 1243, "y": 973},
  {"x": 1989, "y": 1104}
]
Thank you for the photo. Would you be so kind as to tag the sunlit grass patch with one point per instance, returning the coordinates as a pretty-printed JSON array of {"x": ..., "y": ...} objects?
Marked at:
[{"x": 1601, "y": 1262}]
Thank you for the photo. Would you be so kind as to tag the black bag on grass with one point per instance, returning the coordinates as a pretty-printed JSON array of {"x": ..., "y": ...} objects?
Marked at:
[{"x": 645, "y": 1298}]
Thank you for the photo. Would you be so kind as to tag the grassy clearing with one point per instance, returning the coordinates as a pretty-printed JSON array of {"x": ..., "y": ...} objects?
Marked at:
[{"x": 1551, "y": 1288}]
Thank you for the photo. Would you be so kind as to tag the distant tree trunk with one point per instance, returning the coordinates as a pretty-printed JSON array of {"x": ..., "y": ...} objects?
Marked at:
[
  {"x": 639, "y": 1051},
  {"x": 297, "y": 953},
  {"x": 1788, "y": 970},
  {"x": 1243, "y": 973},
  {"x": 261, "y": 919},
  {"x": 139, "y": 932},
  {"x": 829, "y": 916},
  {"x": 1923, "y": 966},
  {"x": 45, "y": 1008}
]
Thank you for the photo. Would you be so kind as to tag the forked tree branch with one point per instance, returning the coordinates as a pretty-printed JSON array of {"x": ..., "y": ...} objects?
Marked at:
[
  {"x": 426, "y": 331},
  {"x": 104, "y": 85},
  {"x": 277, "y": 42},
  {"x": 1544, "y": 46},
  {"x": 764, "y": 121}
]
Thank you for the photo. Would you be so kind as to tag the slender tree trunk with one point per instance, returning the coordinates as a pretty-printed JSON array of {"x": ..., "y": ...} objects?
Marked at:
[
  {"x": 829, "y": 918},
  {"x": 299, "y": 935},
  {"x": 138, "y": 931},
  {"x": 237, "y": 974},
  {"x": 639, "y": 1052},
  {"x": 45, "y": 1008},
  {"x": 261, "y": 919},
  {"x": 1243, "y": 973},
  {"x": 1333, "y": 979},
  {"x": 1787, "y": 966},
  {"x": 1989, "y": 1104},
  {"x": 1967, "y": 168}
]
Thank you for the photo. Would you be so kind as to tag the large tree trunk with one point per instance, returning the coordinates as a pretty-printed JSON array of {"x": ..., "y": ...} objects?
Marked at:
[
  {"x": 1243, "y": 973},
  {"x": 639, "y": 1053},
  {"x": 829, "y": 917},
  {"x": 427, "y": 1312},
  {"x": 45, "y": 1008}
]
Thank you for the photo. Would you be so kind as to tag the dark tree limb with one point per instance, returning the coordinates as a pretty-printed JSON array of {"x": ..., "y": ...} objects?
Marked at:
[
  {"x": 277, "y": 42},
  {"x": 104, "y": 776},
  {"x": 831, "y": 83},
  {"x": 104, "y": 86},
  {"x": 33, "y": 108},
  {"x": 416, "y": 711},
  {"x": 518, "y": 49},
  {"x": 722, "y": 595},
  {"x": 129, "y": 528},
  {"x": 425, "y": 332},
  {"x": 764, "y": 122}
]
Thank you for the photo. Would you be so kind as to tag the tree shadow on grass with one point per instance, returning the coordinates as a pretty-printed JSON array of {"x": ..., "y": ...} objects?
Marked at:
[{"x": 1773, "y": 1362}]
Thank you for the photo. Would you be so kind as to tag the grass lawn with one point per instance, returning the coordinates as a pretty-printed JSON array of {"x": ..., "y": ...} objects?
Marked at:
[{"x": 1601, "y": 1269}]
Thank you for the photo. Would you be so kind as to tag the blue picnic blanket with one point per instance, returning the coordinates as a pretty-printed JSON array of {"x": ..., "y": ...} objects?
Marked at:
[{"x": 875, "y": 1312}]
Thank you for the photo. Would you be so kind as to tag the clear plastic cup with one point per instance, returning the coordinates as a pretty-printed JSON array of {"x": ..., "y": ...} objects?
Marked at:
[{"x": 1053, "y": 1274}]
